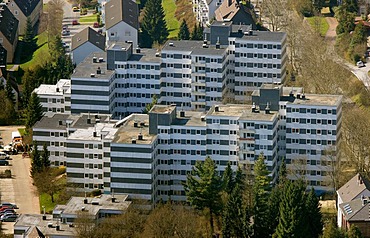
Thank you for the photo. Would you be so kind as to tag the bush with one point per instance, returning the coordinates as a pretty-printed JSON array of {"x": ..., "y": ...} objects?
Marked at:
[
  {"x": 356, "y": 58},
  {"x": 6, "y": 174}
]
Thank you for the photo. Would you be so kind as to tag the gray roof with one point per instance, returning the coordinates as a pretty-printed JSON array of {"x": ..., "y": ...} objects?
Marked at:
[
  {"x": 88, "y": 35},
  {"x": 265, "y": 36},
  {"x": 196, "y": 47},
  {"x": 87, "y": 67},
  {"x": 27, "y": 6},
  {"x": 121, "y": 10},
  {"x": 354, "y": 187},
  {"x": 146, "y": 55},
  {"x": 51, "y": 121},
  {"x": 356, "y": 210},
  {"x": 8, "y": 24}
]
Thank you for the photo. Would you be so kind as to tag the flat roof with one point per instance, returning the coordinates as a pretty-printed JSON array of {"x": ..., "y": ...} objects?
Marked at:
[
  {"x": 87, "y": 67},
  {"x": 128, "y": 132},
  {"x": 196, "y": 47},
  {"x": 319, "y": 100},
  {"x": 241, "y": 111},
  {"x": 95, "y": 204},
  {"x": 52, "y": 120},
  {"x": 146, "y": 55},
  {"x": 265, "y": 36},
  {"x": 162, "y": 109},
  {"x": 192, "y": 118},
  {"x": 31, "y": 221},
  {"x": 96, "y": 132},
  {"x": 62, "y": 86}
]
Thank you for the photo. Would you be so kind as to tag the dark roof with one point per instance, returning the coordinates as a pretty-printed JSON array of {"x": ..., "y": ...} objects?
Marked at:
[
  {"x": 8, "y": 24},
  {"x": 121, "y": 10},
  {"x": 265, "y": 36},
  {"x": 27, "y": 6},
  {"x": 88, "y": 35},
  {"x": 196, "y": 47},
  {"x": 229, "y": 9},
  {"x": 353, "y": 188}
]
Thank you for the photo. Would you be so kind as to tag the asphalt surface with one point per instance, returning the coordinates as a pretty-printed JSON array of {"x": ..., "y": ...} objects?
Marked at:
[
  {"x": 19, "y": 189},
  {"x": 360, "y": 73}
]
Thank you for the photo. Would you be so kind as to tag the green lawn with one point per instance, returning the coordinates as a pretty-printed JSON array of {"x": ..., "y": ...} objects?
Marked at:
[
  {"x": 45, "y": 200},
  {"x": 173, "y": 25},
  {"x": 319, "y": 24},
  {"x": 88, "y": 19},
  {"x": 22, "y": 131},
  {"x": 41, "y": 54}
]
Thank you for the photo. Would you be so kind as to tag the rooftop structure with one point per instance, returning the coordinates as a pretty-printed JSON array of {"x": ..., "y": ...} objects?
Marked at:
[{"x": 89, "y": 68}]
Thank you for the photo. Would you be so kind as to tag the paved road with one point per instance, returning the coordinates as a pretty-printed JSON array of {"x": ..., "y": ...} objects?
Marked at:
[
  {"x": 360, "y": 73},
  {"x": 18, "y": 189}
]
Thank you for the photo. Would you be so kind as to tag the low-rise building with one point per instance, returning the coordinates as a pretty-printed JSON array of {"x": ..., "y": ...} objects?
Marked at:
[{"x": 55, "y": 98}]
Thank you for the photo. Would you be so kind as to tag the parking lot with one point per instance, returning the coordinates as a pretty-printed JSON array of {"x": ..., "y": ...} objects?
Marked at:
[{"x": 18, "y": 189}]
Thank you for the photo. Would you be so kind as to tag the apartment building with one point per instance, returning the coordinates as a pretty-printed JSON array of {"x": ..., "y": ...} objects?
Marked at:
[
  {"x": 25, "y": 9},
  {"x": 54, "y": 128},
  {"x": 91, "y": 85},
  {"x": 204, "y": 10},
  {"x": 8, "y": 35},
  {"x": 55, "y": 98}
]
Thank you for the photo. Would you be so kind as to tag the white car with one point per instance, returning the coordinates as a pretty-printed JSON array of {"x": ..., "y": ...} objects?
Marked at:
[{"x": 4, "y": 155}]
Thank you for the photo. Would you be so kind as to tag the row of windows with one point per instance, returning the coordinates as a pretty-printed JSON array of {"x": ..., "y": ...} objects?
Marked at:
[
  {"x": 310, "y": 142},
  {"x": 138, "y": 66},
  {"x": 255, "y": 46},
  {"x": 137, "y": 76},
  {"x": 311, "y": 121},
  {"x": 257, "y": 55},
  {"x": 312, "y": 110},
  {"x": 256, "y": 75},
  {"x": 311, "y": 131}
]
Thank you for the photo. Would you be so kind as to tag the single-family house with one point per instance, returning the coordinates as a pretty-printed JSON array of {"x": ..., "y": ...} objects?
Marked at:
[
  {"x": 236, "y": 12},
  {"x": 86, "y": 42},
  {"x": 122, "y": 21},
  {"x": 22, "y": 9},
  {"x": 8, "y": 35},
  {"x": 353, "y": 206}
]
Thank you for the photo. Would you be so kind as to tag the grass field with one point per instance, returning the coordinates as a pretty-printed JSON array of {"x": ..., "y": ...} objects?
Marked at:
[
  {"x": 173, "y": 24},
  {"x": 45, "y": 200},
  {"x": 88, "y": 19},
  {"x": 41, "y": 54},
  {"x": 319, "y": 24}
]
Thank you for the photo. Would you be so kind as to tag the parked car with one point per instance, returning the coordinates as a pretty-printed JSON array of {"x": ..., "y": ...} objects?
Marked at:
[
  {"x": 7, "y": 211},
  {"x": 75, "y": 9},
  {"x": 4, "y": 162},
  {"x": 4, "y": 207},
  {"x": 75, "y": 22},
  {"x": 9, "y": 217},
  {"x": 65, "y": 33},
  {"x": 8, "y": 204},
  {"x": 3, "y": 155},
  {"x": 65, "y": 27},
  {"x": 360, "y": 64},
  {"x": 96, "y": 25}
]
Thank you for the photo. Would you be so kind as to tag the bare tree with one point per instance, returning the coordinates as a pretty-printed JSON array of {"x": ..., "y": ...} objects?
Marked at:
[
  {"x": 55, "y": 18},
  {"x": 274, "y": 12},
  {"x": 297, "y": 169}
]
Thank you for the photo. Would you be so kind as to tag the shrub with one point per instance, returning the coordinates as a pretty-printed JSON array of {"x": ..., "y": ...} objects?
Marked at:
[{"x": 95, "y": 193}]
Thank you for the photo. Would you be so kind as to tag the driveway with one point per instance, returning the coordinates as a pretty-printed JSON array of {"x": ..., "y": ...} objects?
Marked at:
[
  {"x": 19, "y": 189},
  {"x": 360, "y": 73}
]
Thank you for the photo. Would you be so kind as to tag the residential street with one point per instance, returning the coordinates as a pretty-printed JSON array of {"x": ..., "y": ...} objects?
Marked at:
[
  {"x": 360, "y": 73},
  {"x": 19, "y": 189}
]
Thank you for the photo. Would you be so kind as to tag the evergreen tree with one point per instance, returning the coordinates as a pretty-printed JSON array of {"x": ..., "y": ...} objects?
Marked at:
[
  {"x": 9, "y": 90},
  {"x": 331, "y": 231},
  {"x": 273, "y": 207},
  {"x": 154, "y": 24},
  {"x": 184, "y": 33},
  {"x": 260, "y": 204},
  {"x": 193, "y": 35},
  {"x": 29, "y": 35},
  {"x": 36, "y": 164},
  {"x": 283, "y": 174},
  {"x": 228, "y": 179},
  {"x": 292, "y": 222},
  {"x": 197, "y": 33},
  {"x": 27, "y": 79},
  {"x": 203, "y": 188},
  {"x": 354, "y": 232},
  {"x": 45, "y": 157},
  {"x": 232, "y": 219},
  {"x": 34, "y": 111},
  {"x": 313, "y": 215}
]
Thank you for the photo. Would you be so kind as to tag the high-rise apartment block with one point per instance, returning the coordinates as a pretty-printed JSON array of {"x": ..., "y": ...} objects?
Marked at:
[{"x": 148, "y": 155}]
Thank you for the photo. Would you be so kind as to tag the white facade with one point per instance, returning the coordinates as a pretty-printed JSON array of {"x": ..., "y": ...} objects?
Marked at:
[
  {"x": 122, "y": 32},
  {"x": 55, "y": 98},
  {"x": 205, "y": 10}
]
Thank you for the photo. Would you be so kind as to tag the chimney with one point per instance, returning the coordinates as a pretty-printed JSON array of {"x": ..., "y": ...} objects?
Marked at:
[
  {"x": 98, "y": 71},
  {"x": 95, "y": 60},
  {"x": 218, "y": 45},
  {"x": 217, "y": 109},
  {"x": 60, "y": 122},
  {"x": 138, "y": 50},
  {"x": 101, "y": 59},
  {"x": 88, "y": 121},
  {"x": 253, "y": 107},
  {"x": 113, "y": 199},
  {"x": 291, "y": 94},
  {"x": 182, "y": 113},
  {"x": 94, "y": 133},
  {"x": 92, "y": 75},
  {"x": 303, "y": 96},
  {"x": 251, "y": 32},
  {"x": 298, "y": 96},
  {"x": 85, "y": 202},
  {"x": 136, "y": 124},
  {"x": 267, "y": 108},
  {"x": 140, "y": 136},
  {"x": 133, "y": 141},
  {"x": 57, "y": 227},
  {"x": 142, "y": 124},
  {"x": 57, "y": 89},
  {"x": 170, "y": 44}
]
